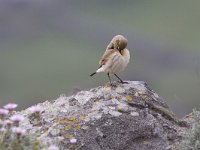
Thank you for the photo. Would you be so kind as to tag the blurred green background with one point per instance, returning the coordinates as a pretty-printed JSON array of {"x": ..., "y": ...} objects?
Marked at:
[{"x": 50, "y": 47}]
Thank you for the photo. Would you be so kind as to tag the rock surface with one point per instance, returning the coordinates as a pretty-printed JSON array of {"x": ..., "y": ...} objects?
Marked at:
[{"x": 122, "y": 117}]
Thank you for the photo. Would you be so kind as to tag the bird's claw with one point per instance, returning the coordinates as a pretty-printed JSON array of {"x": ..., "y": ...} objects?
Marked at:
[
  {"x": 113, "y": 85},
  {"x": 123, "y": 82}
]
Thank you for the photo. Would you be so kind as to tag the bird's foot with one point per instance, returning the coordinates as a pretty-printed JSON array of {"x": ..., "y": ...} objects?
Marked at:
[
  {"x": 109, "y": 84},
  {"x": 113, "y": 85},
  {"x": 123, "y": 82}
]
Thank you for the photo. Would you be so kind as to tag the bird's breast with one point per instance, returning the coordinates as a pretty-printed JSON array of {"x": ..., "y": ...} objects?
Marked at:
[
  {"x": 115, "y": 62},
  {"x": 126, "y": 56},
  {"x": 119, "y": 62}
]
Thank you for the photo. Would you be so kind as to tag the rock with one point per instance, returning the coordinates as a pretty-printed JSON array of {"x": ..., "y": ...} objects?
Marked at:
[{"x": 122, "y": 117}]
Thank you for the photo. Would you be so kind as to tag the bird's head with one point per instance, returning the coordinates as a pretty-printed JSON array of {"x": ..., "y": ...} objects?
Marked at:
[{"x": 119, "y": 42}]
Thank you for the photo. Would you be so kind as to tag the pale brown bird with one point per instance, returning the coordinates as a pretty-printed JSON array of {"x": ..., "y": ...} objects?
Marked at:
[{"x": 115, "y": 58}]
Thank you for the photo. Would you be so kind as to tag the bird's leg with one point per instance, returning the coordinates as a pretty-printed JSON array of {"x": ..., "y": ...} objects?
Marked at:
[
  {"x": 120, "y": 79},
  {"x": 111, "y": 84},
  {"x": 109, "y": 78}
]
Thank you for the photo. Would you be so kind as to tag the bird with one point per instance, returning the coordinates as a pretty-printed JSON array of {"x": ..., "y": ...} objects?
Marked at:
[{"x": 115, "y": 58}]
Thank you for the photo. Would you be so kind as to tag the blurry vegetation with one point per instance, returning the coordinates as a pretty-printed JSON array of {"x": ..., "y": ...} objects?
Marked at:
[
  {"x": 9, "y": 141},
  {"x": 50, "y": 47},
  {"x": 12, "y": 135}
]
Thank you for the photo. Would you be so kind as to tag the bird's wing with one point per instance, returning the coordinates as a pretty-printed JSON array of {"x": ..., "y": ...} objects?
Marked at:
[{"x": 106, "y": 56}]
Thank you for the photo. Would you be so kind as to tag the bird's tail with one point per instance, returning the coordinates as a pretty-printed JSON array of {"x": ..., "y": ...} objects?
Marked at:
[
  {"x": 98, "y": 70},
  {"x": 93, "y": 74}
]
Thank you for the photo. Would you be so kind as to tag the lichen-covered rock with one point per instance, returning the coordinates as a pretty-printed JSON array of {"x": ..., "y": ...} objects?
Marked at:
[{"x": 122, "y": 117}]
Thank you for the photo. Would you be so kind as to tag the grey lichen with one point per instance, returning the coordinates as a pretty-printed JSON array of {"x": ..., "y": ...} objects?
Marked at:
[
  {"x": 191, "y": 139},
  {"x": 124, "y": 116}
]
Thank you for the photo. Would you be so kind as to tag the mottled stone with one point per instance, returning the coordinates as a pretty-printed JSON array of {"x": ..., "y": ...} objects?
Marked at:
[{"x": 123, "y": 117}]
